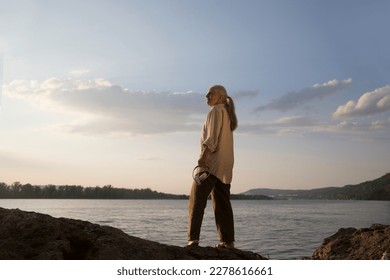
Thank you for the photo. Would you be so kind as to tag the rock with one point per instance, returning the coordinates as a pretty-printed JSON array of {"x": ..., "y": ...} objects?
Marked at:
[
  {"x": 30, "y": 235},
  {"x": 356, "y": 244}
]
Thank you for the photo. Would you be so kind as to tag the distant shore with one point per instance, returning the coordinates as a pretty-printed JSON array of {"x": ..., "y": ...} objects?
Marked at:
[
  {"x": 377, "y": 189},
  {"x": 28, "y": 191}
]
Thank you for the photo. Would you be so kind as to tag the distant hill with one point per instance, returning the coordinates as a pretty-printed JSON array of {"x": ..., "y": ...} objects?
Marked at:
[{"x": 378, "y": 189}]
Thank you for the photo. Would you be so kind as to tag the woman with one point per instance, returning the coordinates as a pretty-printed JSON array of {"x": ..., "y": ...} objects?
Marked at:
[{"x": 218, "y": 157}]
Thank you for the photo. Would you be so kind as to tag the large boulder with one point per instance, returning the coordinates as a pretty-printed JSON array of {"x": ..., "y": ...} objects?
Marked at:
[
  {"x": 30, "y": 235},
  {"x": 371, "y": 243}
]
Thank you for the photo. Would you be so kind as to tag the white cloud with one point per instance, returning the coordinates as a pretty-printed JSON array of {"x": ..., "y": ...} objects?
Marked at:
[
  {"x": 100, "y": 107},
  {"x": 369, "y": 103},
  {"x": 297, "y": 98}
]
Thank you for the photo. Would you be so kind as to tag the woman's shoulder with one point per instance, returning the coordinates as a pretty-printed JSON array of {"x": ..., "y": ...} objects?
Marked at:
[
  {"x": 217, "y": 111},
  {"x": 218, "y": 107}
]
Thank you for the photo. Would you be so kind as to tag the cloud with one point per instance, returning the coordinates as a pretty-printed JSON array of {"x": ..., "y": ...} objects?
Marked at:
[
  {"x": 297, "y": 98},
  {"x": 284, "y": 125},
  {"x": 294, "y": 121},
  {"x": 366, "y": 131},
  {"x": 101, "y": 107},
  {"x": 369, "y": 103},
  {"x": 304, "y": 125},
  {"x": 381, "y": 125}
]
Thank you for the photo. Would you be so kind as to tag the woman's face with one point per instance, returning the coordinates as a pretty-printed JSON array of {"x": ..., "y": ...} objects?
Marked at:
[{"x": 213, "y": 98}]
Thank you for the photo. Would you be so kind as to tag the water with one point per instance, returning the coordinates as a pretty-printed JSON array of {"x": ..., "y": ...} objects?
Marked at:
[{"x": 276, "y": 229}]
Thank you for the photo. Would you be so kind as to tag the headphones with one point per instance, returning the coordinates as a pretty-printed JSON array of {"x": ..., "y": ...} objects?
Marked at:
[{"x": 201, "y": 175}]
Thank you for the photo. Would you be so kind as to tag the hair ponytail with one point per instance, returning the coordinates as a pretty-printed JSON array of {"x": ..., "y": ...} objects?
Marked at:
[
  {"x": 232, "y": 113},
  {"x": 229, "y": 104}
]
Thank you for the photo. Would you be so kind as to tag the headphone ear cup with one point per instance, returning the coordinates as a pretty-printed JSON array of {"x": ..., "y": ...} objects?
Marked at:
[
  {"x": 197, "y": 180},
  {"x": 201, "y": 176}
]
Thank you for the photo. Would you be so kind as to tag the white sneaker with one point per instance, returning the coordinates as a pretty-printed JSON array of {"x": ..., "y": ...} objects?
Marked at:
[
  {"x": 193, "y": 243},
  {"x": 229, "y": 245}
]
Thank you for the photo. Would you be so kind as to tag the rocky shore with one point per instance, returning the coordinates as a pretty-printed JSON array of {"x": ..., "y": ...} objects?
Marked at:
[
  {"x": 371, "y": 243},
  {"x": 30, "y": 235}
]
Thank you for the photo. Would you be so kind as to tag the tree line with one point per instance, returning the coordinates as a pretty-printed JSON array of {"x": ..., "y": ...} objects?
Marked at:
[{"x": 28, "y": 191}]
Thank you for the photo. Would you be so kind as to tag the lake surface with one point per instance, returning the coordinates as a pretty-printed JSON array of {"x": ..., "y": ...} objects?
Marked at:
[{"x": 280, "y": 229}]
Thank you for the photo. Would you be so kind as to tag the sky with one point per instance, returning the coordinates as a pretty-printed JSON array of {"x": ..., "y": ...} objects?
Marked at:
[{"x": 99, "y": 93}]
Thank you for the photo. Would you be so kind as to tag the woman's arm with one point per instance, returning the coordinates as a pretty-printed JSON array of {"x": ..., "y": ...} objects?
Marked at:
[
  {"x": 204, "y": 160},
  {"x": 212, "y": 130}
]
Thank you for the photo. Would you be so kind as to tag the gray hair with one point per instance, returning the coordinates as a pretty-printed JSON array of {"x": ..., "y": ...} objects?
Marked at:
[{"x": 229, "y": 104}]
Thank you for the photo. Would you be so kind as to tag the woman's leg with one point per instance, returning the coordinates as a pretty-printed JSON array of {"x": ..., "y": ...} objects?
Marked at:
[
  {"x": 197, "y": 204},
  {"x": 223, "y": 212}
]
